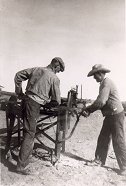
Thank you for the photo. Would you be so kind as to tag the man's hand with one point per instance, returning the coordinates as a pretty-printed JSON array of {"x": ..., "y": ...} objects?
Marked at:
[
  {"x": 85, "y": 113},
  {"x": 51, "y": 104},
  {"x": 20, "y": 96}
]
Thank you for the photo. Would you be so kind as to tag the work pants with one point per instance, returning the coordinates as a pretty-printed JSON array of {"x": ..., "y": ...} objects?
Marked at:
[
  {"x": 113, "y": 128},
  {"x": 31, "y": 114}
]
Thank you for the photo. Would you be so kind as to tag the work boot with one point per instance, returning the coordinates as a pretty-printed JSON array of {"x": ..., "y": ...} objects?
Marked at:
[
  {"x": 95, "y": 162},
  {"x": 32, "y": 159},
  {"x": 26, "y": 171}
]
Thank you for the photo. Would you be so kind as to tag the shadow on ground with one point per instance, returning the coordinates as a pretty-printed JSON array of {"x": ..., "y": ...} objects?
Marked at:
[{"x": 73, "y": 156}]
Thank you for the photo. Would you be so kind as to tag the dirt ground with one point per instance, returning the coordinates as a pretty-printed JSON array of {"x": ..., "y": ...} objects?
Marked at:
[{"x": 72, "y": 168}]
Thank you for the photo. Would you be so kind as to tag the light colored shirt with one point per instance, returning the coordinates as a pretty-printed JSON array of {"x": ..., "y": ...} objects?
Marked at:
[
  {"x": 43, "y": 84},
  {"x": 108, "y": 99}
]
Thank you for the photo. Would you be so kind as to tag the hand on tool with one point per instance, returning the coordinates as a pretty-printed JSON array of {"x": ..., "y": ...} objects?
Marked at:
[
  {"x": 85, "y": 113},
  {"x": 51, "y": 104},
  {"x": 20, "y": 96}
]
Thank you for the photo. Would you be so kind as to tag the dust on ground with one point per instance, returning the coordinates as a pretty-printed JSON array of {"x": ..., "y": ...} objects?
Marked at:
[{"x": 72, "y": 168}]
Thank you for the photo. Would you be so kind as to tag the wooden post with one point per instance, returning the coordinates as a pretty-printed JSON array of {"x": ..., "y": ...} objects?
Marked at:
[{"x": 59, "y": 135}]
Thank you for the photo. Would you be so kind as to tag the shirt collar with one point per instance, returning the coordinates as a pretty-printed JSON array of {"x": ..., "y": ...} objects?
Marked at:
[{"x": 102, "y": 80}]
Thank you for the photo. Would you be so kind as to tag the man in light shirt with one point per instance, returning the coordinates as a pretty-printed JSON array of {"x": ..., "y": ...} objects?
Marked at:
[
  {"x": 43, "y": 87},
  {"x": 113, "y": 125}
]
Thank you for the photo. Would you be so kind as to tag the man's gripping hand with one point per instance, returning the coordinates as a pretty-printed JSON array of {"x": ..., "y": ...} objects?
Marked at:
[
  {"x": 85, "y": 113},
  {"x": 51, "y": 104},
  {"x": 20, "y": 96}
]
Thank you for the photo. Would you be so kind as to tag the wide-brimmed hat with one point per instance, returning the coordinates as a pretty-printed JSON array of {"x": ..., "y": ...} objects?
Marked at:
[
  {"x": 62, "y": 65},
  {"x": 97, "y": 68}
]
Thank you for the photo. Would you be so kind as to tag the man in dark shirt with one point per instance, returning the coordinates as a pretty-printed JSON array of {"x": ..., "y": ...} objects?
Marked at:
[{"x": 113, "y": 125}]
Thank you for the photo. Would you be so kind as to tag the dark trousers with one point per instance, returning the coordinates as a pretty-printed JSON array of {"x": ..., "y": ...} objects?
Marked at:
[
  {"x": 31, "y": 114},
  {"x": 113, "y": 128}
]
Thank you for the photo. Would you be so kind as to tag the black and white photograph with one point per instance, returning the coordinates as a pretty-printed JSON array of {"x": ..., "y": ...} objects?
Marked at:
[{"x": 62, "y": 93}]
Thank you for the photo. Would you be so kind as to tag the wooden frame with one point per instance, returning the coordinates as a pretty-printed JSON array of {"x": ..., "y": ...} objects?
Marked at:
[{"x": 14, "y": 121}]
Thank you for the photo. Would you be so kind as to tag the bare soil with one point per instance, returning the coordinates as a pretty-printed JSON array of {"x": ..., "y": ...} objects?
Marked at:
[{"x": 72, "y": 168}]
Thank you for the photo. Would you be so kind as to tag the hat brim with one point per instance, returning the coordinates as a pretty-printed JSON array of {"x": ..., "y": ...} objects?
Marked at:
[{"x": 92, "y": 72}]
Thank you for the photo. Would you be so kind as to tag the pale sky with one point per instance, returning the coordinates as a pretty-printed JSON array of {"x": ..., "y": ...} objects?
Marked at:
[{"x": 81, "y": 32}]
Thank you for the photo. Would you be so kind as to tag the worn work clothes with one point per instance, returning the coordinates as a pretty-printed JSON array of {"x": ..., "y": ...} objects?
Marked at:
[
  {"x": 108, "y": 100},
  {"x": 113, "y": 128},
  {"x": 31, "y": 114},
  {"x": 43, "y": 84}
]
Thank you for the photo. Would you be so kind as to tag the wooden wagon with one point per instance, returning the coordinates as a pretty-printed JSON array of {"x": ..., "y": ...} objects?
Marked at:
[{"x": 58, "y": 117}]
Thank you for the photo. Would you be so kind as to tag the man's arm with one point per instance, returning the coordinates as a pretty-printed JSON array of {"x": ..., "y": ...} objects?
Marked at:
[
  {"x": 101, "y": 99},
  {"x": 20, "y": 76},
  {"x": 55, "y": 91}
]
